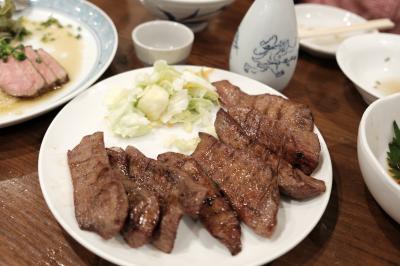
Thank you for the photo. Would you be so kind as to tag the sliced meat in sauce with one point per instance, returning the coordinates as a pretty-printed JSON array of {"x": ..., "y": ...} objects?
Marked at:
[
  {"x": 58, "y": 70},
  {"x": 38, "y": 73},
  {"x": 41, "y": 67},
  {"x": 20, "y": 78}
]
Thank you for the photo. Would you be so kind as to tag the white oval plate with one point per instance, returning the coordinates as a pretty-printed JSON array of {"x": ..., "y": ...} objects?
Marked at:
[
  {"x": 320, "y": 16},
  {"x": 100, "y": 41},
  {"x": 194, "y": 246}
]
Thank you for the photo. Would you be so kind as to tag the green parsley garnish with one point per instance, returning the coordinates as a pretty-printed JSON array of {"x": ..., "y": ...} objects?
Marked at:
[
  {"x": 51, "y": 21},
  {"x": 6, "y": 49},
  {"x": 394, "y": 153}
]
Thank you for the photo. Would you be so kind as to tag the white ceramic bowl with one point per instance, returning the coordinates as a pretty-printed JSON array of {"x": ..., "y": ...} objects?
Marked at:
[
  {"x": 193, "y": 13},
  {"x": 319, "y": 16},
  {"x": 372, "y": 63},
  {"x": 162, "y": 40},
  {"x": 374, "y": 135}
]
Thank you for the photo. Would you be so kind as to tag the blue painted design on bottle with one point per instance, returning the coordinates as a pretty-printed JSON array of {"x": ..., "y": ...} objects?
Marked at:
[{"x": 272, "y": 55}]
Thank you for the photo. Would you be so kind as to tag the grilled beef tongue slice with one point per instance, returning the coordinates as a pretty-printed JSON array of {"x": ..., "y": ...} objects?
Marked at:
[
  {"x": 292, "y": 182},
  {"x": 144, "y": 210},
  {"x": 275, "y": 107},
  {"x": 216, "y": 214},
  {"x": 175, "y": 195},
  {"x": 250, "y": 185},
  {"x": 101, "y": 204},
  {"x": 281, "y": 125}
]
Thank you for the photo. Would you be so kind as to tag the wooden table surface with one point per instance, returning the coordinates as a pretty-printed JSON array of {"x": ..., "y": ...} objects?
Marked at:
[{"x": 353, "y": 231}]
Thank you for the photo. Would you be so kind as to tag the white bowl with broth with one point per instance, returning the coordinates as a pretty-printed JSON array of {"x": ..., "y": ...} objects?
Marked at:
[
  {"x": 374, "y": 135},
  {"x": 372, "y": 63}
]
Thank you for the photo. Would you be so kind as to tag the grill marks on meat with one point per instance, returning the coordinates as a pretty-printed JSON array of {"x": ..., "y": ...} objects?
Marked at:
[
  {"x": 273, "y": 106},
  {"x": 144, "y": 210},
  {"x": 216, "y": 214},
  {"x": 100, "y": 200},
  {"x": 143, "y": 216},
  {"x": 263, "y": 139},
  {"x": 175, "y": 193},
  {"x": 38, "y": 73},
  {"x": 282, "y": 126},
  {"x": 250, "y": 186},
  {"x": 292, "y": 182},
  {"x": 149, "y": 176}
]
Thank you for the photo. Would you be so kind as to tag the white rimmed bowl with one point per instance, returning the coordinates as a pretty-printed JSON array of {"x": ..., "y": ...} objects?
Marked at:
[
  {"x": 162, "y": 40},
  {"x": 374, "y": 135},
  {"x": 318, "y": 16},
  {"x": 372, "y": 63},
  {"x": 194, "y": 13}
]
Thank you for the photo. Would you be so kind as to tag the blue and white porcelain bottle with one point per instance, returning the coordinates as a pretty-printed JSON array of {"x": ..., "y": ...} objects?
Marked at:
[{"x": 265, "y": 47}]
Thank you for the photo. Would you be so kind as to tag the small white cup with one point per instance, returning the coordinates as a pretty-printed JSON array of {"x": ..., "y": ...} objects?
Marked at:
[{"x": 162, "y": 40}]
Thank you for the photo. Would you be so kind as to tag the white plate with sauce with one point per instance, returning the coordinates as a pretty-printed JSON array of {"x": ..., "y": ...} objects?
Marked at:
[
  {"x": 372, "y": 63},
  {"x": 193, "y": 245},
  {"x": 313, "y": 16},
  {"x": 85, "y": 47}
]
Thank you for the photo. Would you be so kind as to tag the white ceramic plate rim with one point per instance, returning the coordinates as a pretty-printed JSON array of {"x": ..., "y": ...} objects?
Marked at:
[
  {"x": 51, "y": 105},
  {"x": 41, "y": 168},
  {"x": 363, "y": 134},
  {"x": 317, "y": 48}
]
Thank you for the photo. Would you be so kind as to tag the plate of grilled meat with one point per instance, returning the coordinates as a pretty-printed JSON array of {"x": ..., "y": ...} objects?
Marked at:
[
  {"x": 245, "y": 195},
  {"x": 49, "y": 53}
]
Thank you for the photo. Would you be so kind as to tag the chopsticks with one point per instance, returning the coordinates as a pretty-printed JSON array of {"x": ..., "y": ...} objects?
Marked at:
[{"x": 381, "y": 24}]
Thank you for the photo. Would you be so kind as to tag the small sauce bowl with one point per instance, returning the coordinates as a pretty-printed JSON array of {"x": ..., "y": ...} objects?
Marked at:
[
  {"x": 162, "y": 40},
  {"x": 372, "y": 62}
]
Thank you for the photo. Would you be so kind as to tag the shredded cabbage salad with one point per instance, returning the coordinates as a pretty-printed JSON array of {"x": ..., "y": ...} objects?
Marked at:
[{"x": 164, "y": 97}]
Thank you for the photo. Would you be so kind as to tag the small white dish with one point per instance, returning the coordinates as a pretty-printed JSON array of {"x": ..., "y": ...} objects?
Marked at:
[
  {"x": 162, "y": 40},
  {"x": 372, "y": 63},
  {"x": 312, "y": 16},
  {"x": 374, "y": 135},
  {"x": 195, "y": 14}
]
